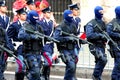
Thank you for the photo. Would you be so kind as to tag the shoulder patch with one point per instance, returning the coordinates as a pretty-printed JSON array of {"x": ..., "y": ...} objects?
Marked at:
[{"x": 90, "y": 24}]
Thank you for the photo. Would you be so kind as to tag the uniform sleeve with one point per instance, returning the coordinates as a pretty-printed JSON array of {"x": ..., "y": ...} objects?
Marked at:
[
  {"x": 90, "y": 32},
  {"x": 112, "y": 33},
  {"x": 10, "y": 34},
  {"x": 23, "y": 35},
  {"x": 8, "y": 44}
]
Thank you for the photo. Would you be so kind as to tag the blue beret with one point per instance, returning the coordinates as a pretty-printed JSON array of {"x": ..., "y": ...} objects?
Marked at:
[
  {"x": 21, "y": 11},
  {"x": 30, "y": 2},
  {"x": 48, "y": 9},
  {"x": 73, "y": 6},
  {"x": 2, "y": 3}
]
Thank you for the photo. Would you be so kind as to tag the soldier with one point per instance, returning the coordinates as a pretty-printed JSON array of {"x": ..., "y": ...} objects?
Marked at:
[
  {"x": 3, "y": 56},
  {"x": 75, "y": 9},
  {"x": 113, "y": 29},
  {"x": 95, "y": 36},
  {"x": 48, "y": 28},
  {"x": 32, "y": 45},
  {"x": 67, "y": 44},
  {"x": 4, "y": 19},
  {"x": 30, "y": 6},
  {"x": 17, "y": 4},
  {"x": 12, "y": 32}
]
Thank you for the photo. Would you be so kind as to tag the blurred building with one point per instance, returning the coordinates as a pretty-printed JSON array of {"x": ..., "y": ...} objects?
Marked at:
[{"x": 86, "y": 8}]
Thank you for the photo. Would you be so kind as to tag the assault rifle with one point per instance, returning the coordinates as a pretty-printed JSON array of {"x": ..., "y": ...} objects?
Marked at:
[
  {"x": 8, "y": 51},
  {"x": 109, "y": 39},
  {"x": 42, "y": 35},
  {"x": 76, "y": 38}
]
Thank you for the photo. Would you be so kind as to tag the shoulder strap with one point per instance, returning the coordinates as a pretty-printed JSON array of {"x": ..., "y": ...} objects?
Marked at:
[{"x": 93, "y": 21}]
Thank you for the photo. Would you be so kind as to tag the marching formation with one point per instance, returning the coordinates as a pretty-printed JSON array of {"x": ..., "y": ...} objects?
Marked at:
[{"x": 31, "y": 36}]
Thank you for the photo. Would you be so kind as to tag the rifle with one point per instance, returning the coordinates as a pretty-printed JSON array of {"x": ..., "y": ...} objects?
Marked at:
[
  {"x": 42, "y": 35},
  {"x": 108, "y": 38},
  {"x": 76, "y": 38},
  {"x": 8, "y": 51}
]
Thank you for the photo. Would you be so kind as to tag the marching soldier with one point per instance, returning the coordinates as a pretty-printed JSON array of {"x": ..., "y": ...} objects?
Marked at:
[
  {"x": 76, "y": 20},
  {"x": 3, "y": 55},
  {"x": 4, "y": 19},
  {"x": 67, "y": 44},
  {"x": 32, "y": 45},
  {"x": 48, "y": 28},
  {"x": 12, "y": 32},
  {"x": 113, "y": 29},
  {"x": 95, "y": 36}
]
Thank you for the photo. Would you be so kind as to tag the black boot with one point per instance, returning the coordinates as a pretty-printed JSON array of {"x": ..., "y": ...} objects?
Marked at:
[
  {"x": 46, "y": 72},
  {"x": 19, "y": 76},
  {"x": 96, "y": 78}
]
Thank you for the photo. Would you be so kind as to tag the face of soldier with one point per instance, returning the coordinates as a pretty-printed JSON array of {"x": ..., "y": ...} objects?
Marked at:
[
  {"x": 75, "y": 12},
  {"x": 3, "y": 9},
  {"x": 23, "y": 16},
  {"x": 32, "y": 7},
  {"x": 47, "y": 15}
]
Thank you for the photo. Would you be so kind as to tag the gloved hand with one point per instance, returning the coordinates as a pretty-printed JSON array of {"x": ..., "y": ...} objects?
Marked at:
[
  {"x": 37, "y": 37},
  {"x": 102, "y": 36},
  {"x": 71, "y": 39}
]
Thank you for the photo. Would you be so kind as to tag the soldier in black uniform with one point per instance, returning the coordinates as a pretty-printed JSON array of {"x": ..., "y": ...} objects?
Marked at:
[
  {"x": 12, "y": 33},
  {"x": 32, "y": 45},
  {"x": 95, "y": 36},
  {"x": 3, "y": 55},
  {"x": 67, "y": 44}
]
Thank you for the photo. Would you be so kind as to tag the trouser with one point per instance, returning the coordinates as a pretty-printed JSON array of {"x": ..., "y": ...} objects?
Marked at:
[
  {"x": 34, "y": 63},
  {"x": 98, "y": 50},
  {"x": 70, "y": 64},
  {"x": 77, "y": 49},
  {"x": 116, "y": 69},
  {"x": 47, "y": 64},
  {"x": 99, "y": 63},
  {"x": 3, "y": 64},
  {"x": 20, "y": 69}
]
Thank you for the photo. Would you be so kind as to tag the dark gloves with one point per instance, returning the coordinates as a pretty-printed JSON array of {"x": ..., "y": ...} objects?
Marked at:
[
  {"x": 71, "y": 39},
  {"x": 37, "y": 37},
  {"x": 102, "y": 37}
]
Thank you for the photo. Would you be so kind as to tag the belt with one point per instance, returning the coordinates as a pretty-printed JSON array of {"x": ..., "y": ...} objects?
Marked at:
[
  {"x": 35, "y": 52},
  {"x": 17, "y": 44},
  {"x": 49, "y": 42}
]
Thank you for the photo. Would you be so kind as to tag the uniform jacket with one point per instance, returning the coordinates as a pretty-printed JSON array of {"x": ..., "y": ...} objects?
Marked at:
[{"x": 48, "y": 29}]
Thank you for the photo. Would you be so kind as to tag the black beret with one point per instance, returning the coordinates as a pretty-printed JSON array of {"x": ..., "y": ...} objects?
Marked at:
[
  {"x": 21, "y": 11},
  {"x": 2, "y": 3},
  {"x": 30, "y": 2},
  {"x": 73, "y": 6},
  {"x": 48, "y": 9}
]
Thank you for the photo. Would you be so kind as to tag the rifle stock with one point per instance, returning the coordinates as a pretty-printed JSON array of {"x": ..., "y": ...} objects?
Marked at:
[{"x": 8, "y": 51}]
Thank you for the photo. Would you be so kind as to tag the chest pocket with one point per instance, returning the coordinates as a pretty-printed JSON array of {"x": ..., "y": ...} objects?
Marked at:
[{"x": 69, "y": 29}]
